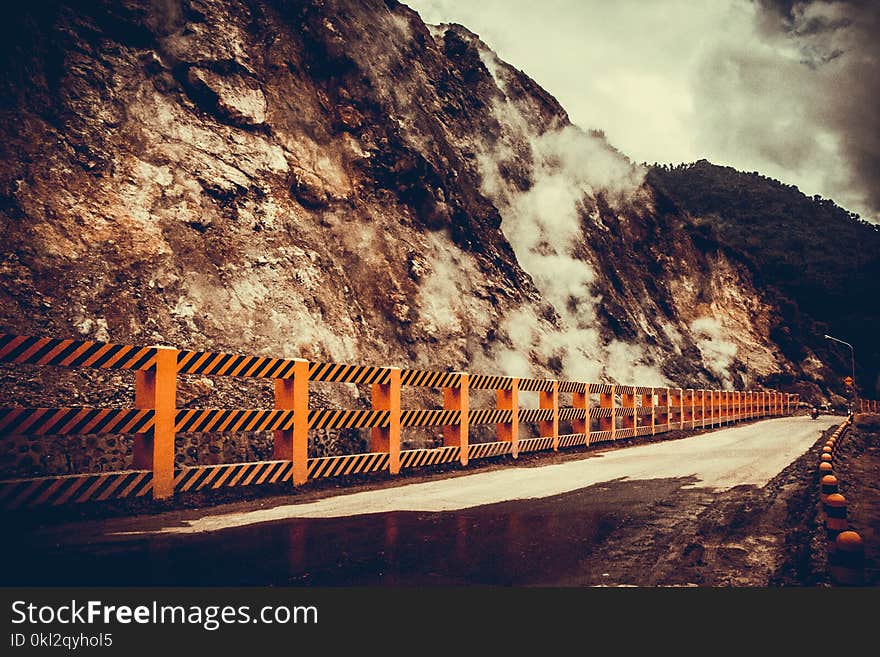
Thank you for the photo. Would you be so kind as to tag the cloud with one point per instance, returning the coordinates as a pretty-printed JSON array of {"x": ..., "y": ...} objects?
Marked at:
[
  {"x": 785, "y": 88},
  {"x": 798, "y": 98}
]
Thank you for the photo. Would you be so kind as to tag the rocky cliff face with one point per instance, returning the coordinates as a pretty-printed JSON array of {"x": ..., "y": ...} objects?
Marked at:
[{"x": 335, "y": 180}]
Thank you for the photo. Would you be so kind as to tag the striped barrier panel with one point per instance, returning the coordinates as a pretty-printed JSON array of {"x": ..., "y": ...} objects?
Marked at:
[
  {"x": 535, "y": 414},
  {"x": 573, "y": 386},
  {"x": 569, "y": 413},
  {"x": 325, "y": 418},
  {"x": 543, "y": 385},
  {"x": 485, "y": 450},
  {"x": 205, "y": 363},
  {"x": 600, "y": 436},
  {"x": 230, "y": 475},
  {"x": 478, "y": 382},
  {"x": 573, "y": 440},
  {"x": 430, "y": 379},
  {"x": 350, "y": 464},
  {"x": 195, "y": 420},
  {"x": 627, "y": 432},
  {"x": 535, "y": 444},
  {"x": 419, "y": 418},
  {"x": 19, "y": 493},
  {"x": 490, "y": 416},
  {"x": 80, "y": 421},
  {"x": 74, "y": 353},
  {"x": 418, "y": 458},
  {"x": 337, "y": 373}
]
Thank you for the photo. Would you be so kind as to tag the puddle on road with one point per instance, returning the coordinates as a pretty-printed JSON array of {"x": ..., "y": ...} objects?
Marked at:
[{"x": 522, "y": 543}]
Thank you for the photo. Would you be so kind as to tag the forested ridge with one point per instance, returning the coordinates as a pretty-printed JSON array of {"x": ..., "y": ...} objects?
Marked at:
[{"x": 820, "y": 261}]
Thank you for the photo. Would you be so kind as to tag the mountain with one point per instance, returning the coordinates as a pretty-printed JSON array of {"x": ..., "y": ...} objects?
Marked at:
[
  {"x": 818, "y": 262},
  {"x": 336, "y": 180}
]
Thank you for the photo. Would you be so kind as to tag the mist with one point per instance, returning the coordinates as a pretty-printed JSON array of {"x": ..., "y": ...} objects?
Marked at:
[{"x": 567, "y": 168}]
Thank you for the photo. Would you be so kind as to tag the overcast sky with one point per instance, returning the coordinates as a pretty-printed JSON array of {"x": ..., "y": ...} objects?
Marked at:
[{"x": 789, "y": 89}]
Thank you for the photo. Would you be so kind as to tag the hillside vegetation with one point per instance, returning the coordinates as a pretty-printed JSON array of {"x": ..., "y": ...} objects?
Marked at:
[{"x": 821, "y": 262}]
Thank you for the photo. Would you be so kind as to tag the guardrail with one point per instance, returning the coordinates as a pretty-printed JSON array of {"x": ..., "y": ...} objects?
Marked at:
[
  {"x": 591, "y": 414},
  {"x": 868, "y": 406}
]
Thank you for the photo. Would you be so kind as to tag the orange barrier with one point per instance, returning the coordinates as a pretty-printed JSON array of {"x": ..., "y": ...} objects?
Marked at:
[
  {"x": 847, "y": 561},
  {"x": 154, "y": 420}
]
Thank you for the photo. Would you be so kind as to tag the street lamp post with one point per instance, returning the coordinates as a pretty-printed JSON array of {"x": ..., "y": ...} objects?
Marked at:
[{"x": 853, "y": 355}]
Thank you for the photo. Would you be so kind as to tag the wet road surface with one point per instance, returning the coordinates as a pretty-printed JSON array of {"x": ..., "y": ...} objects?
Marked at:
[{"x": 513, "y": 526}]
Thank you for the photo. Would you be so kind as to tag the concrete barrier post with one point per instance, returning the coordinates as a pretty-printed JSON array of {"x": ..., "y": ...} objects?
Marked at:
[
  {"x": 581, "y": 400},
  {"x": 675, "y": 408},
  {"x": 628, "y": 416},
  {"x": 509, "y": 431},
  {"x": 458, "y": 399},
  {"x": 386, "y": 397},
  {"x": 550, "y": 429},
  {"x": 688, "y": 416},
  {"x": 156, "y": 389},
  {"x": 608, "y": 422},
  {"x": 661, "y": 412},
  {"x": 646, "y": 400},
  {"x": 293, "y": 444}
]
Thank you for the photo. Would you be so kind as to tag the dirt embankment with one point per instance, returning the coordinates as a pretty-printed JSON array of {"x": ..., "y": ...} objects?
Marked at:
[{"x": 775, "y": 535}]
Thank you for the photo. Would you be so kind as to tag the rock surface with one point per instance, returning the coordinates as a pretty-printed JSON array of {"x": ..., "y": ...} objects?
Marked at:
[{"x": 335, "y": 181}]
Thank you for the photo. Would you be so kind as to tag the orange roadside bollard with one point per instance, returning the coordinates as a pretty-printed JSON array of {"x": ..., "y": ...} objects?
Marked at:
[{"x": 847, "y": 562}]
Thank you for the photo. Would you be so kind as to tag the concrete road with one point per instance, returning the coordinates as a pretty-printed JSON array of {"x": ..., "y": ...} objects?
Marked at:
[
  {"x": 750, "y": 454},
  {"x": 696, "y": 510}
]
